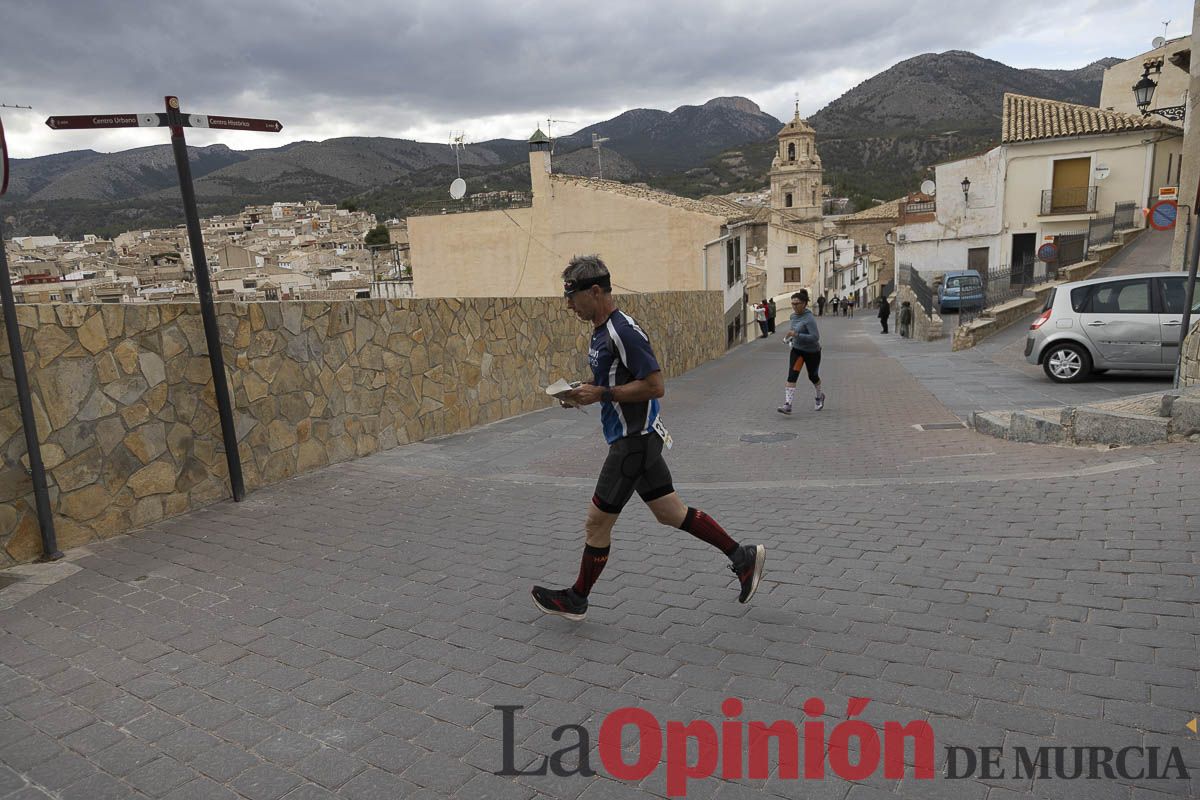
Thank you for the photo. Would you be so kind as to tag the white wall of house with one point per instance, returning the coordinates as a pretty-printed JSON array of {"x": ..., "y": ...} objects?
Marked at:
[
  {"x": 1126, "y": 159},
  {"x": 962, "y": 222},
  {"x": 1116, "y": 93}
]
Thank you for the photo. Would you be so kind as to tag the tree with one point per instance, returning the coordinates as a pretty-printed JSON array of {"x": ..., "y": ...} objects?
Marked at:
[{"x": 378, "y": 235}]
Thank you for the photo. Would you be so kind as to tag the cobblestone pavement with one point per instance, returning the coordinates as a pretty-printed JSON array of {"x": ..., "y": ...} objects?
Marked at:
[{"x": 349, "y": 633}]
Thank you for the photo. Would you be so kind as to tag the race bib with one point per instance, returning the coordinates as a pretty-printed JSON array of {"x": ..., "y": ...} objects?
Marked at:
[{"x": 661, "y": 430}]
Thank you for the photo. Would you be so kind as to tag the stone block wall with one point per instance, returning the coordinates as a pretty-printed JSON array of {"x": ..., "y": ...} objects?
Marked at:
[
  {"x": 1189, "y": 367},
  {"x": 924, "y": 328},
  {"x": 126, "y": 412}
]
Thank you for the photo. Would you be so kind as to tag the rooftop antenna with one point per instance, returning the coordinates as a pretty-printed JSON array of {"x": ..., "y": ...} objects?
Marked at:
[
  {"x": 6, "y": 105},
  {"x": 549, "y": 135},
  {"x": 458, "y": 187},
  {"x": 598, "y": 140}
]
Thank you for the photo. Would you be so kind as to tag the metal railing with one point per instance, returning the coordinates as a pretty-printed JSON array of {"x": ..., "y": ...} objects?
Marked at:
[
  {"x": 1000, "y": 284},
  {"x": 492, "y": 201},
  {"x": 1101, "y": 230},
  {"x": 1074, "y": 200},
  {"x": 1124, "y": 215},
  {"x": 920, "y": 288},
  {"x": 927, "y": 207},
  {"x": 1072, "y": 247}
]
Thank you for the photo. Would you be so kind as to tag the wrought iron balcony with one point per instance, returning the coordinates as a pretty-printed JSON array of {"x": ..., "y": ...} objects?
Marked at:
[{"x": 1074, "y": 200}]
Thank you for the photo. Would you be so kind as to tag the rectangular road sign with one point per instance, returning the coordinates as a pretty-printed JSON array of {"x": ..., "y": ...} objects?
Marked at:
[
  {"x": 106, "y": 121},
  {"x": 234, "y": 123}
]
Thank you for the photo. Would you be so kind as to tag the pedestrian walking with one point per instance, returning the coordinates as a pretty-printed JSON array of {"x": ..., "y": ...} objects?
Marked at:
[
  {"x": 771, "y": 315},
  {"x": 848, "y": 306},
  {"x": 760, "y": 316},
  {"x": 627, "y": 382},
  {"x": 885, "y": 311},
  {"x": 821, "y": 301},
  {"x": 906, "y": 319},
  {"x": 835, "y": 305},
  {"x": 805, "y": 343}
]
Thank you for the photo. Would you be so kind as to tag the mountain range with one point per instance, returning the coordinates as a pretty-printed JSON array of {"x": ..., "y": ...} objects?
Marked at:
[{"x": 875, "y": 141}]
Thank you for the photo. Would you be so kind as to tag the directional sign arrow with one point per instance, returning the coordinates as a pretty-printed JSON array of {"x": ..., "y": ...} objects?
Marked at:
[
  {"x": 107, "y": 121},
  {"x": 234, "y": 123}
]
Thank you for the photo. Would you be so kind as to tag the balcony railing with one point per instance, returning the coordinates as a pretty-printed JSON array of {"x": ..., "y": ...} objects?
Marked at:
[
  {"x": 491, "y": 201},
  {"x": 1074, "y": 200},
  {"x": 927, "y": 207}
]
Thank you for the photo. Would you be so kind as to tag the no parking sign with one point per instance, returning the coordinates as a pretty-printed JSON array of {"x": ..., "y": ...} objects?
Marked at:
[{"x": 1162, "y": 215}]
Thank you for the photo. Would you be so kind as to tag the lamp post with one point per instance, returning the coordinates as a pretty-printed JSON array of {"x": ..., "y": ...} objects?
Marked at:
[
  {"x": 966, "y": 187},
  {"x": 1143, "y": 93}
]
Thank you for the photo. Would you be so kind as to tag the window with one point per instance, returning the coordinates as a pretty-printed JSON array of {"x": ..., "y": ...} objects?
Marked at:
[
  {"x": 792, "y": 275},
  {"x": 793, "y": 249},
  {"x": 787, "y": 200},
  {"x": 733, "y": 260},
  {"x": 1173, "y": 292},
  {"x": 964, "y": 282},
  {"x": 792, "y": 151},
  {"x": 814, "y": 195},
  {"x": 1115, "y": 297}
]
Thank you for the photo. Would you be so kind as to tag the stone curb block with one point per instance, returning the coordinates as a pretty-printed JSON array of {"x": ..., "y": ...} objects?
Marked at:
[
  {"x": 1185, "y": 416},
  {"x": 1107, "y": 427},
  {"x": 1029, "y": 427},
  {"x": 992, "y": 423}
]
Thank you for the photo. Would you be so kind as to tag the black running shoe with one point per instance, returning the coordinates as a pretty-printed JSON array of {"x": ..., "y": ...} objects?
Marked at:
[
  {"x": 748, "y": 563},
  {"x": 562, "y": 602}
]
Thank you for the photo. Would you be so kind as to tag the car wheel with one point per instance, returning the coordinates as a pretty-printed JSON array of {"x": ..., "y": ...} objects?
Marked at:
[{"x": 1067, "y": 363}]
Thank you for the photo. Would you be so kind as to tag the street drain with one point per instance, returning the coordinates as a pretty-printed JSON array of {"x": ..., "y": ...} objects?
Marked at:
[
  {"x": 767, "y": 438},
  {"x": 940, "y": 426}
]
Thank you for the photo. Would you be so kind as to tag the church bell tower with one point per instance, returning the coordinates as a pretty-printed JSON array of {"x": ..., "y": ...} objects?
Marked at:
[{"x": 796, "y": 173}]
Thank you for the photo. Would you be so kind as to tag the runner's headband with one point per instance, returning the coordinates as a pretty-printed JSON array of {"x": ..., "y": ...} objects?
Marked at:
[{"x": 579, "y": 284}]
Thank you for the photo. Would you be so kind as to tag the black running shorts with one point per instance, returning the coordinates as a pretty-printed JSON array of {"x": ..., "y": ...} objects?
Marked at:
[
  {"x": 809, "y": 361},
  {"x": 633, "y": 463}
]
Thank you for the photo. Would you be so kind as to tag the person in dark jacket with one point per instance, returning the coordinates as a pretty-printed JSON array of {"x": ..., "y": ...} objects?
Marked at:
[
  {"x": 821, "y": 301},
  {"x": 771, "y": 315},
  {"x": 906, "y": 319},
  {"x": 885, "y": 311}
]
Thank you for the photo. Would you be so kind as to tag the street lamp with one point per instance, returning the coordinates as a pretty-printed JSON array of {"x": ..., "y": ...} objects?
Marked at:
[
  {"x": 966, "y": 187},
  {"x": 1143, "y": 93}
]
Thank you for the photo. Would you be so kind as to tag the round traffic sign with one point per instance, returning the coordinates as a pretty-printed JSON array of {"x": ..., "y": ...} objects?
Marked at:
[
  {"x": 1162, "y": 215},
  {"x": 1048, "y": 252}
]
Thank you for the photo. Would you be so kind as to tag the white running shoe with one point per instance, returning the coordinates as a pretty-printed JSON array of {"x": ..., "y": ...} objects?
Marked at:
[{"x": 819, "y": 403}]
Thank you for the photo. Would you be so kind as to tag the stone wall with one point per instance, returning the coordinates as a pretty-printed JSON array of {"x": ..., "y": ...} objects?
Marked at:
[
  {"x": 1189, "y": 367},
  {"x": 924, "y": 328},
  {"x": 127, "y": 416}
]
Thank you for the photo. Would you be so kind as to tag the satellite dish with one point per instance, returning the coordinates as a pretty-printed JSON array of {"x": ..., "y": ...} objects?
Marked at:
[
  {"x": 1101, "y": 173},
  {"x": 1158, "y": 42},
  {"x": 458, "y": 188},
  {"x": 928, "y": 187}
]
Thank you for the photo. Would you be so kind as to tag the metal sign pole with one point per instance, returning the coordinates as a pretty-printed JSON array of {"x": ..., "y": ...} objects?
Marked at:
[
  {"x": 37, "y": 470},
  {"x": 212, "y": 335},
  {"x": 177, "y": 121}
]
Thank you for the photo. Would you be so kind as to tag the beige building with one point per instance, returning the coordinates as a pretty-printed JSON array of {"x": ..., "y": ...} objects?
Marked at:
[
  {"x": 1060, "y": 166},
  {"x": 651, "y": 241},
  {"x": 1169, "y": 66}
]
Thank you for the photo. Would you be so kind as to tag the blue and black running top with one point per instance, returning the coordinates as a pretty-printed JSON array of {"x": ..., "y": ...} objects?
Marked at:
[{"x": 620, "y": 352}]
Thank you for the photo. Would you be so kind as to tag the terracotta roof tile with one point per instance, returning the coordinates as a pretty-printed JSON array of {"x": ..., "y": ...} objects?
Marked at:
[{"x": 1028, "y": 119}]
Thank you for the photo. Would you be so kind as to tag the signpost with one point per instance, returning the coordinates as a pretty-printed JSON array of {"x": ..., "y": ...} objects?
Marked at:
[
  {"x": 37, "y": 470},
  {"x": 176, "y": 120},
  {"x": 1048, "y": 252},
  {"x": 1162, "y": 215}
]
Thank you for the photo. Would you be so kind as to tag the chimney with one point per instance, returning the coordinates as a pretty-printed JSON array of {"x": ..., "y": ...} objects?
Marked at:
[{"x": 539, "y": 163}]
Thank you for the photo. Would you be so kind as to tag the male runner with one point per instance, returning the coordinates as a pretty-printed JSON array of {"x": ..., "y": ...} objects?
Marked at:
[{"x": 627, "y": 382}]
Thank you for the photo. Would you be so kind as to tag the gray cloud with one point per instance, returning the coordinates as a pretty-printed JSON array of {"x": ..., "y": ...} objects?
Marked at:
[{"x": 378, "y": 68}]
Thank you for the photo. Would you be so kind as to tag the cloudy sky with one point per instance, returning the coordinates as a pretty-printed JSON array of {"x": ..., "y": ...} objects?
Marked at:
[{"x": 496, "y": 68}]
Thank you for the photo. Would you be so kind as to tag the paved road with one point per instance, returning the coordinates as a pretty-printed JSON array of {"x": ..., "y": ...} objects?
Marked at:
[
  {"x": 994, "y": 375},
  {"x": 349, "y": 633}
]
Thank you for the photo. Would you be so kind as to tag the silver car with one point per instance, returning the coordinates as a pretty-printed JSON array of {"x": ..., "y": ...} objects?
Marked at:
[{"x": 1128, "y": 322}]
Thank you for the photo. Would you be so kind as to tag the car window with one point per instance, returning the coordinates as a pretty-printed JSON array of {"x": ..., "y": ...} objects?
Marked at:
[
  {"x": 965, "y": 282},
  {"x": 1173, "y": 294},
  {"x": 1120, "y": 297},
  {"x": 1050, "y": 300},
  {"x": 1080, "y": 298}
]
